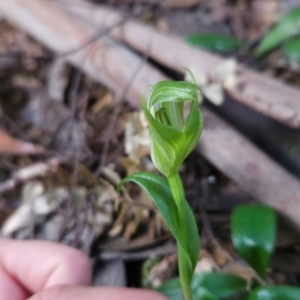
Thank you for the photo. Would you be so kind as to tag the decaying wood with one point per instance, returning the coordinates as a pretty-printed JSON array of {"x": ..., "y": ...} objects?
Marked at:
[
  {"x": 264, "y": 94},
  {"x": 64, "y": 35},
  {"x": 239, "y": 159},
  {"x": 220, "y": 144}
]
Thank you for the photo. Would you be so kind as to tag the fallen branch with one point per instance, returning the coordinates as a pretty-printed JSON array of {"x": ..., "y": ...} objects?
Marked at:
[
  {"x": 254, "y": 171},
  {"x": 220, "y": 144},
  {"x": 264, "y": 94},
  {"x": 163, "y": 250},
  {"x": 63, "y": 34}
]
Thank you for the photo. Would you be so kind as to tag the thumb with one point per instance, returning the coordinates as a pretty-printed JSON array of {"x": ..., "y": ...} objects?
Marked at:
[{"x": 95, "y": 293}]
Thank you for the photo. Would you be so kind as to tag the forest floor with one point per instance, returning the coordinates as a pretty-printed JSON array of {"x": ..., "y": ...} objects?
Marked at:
[{"x": 65, "y": 143}]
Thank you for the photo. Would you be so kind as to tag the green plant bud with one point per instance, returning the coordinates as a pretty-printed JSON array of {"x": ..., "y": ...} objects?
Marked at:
[{"x": 173, "y": 136}]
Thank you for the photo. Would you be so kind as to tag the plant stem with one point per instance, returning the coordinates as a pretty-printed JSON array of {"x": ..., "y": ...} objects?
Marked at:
[{"x": 177, "y": 190}]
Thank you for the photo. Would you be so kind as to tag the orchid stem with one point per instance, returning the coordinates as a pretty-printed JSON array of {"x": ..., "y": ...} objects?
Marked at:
[{"x": 177, "y": 190}]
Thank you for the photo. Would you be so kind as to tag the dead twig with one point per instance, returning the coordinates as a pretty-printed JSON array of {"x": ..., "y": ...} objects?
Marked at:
[{"x": 166, "y": 249}]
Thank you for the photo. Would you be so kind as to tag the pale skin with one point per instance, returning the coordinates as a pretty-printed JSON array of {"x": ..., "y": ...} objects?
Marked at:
[{"x": 36, "y": 270}]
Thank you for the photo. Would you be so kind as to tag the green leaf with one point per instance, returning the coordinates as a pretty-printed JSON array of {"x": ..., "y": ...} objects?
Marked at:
[
  {"x": 158, "y": 189},
  {"x": 203, "y": 294},
  {"x": 291, "y": 49},
  {"x": 227, "y": 284},
  {"x": 276, "y": 292},
  {"x": 172, "y": 289},
  {"x": 210, "y": 285},
  {"x": 253, "y": 230},
  {"x": 214, "y": 42},
  {"x": 288, "y": 27}
]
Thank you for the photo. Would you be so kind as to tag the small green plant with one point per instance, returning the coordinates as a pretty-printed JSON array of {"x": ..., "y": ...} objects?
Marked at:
[
  {"x": 285, "y": 33},
  {"x": 215, "y": 42},
  {"x": 173, "y": 137},
  {"x": 253, "y": 232}
]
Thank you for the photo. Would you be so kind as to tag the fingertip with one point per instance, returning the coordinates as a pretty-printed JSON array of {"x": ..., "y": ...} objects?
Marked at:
[
  {"x": 40, "y": 264},
  {"x": 53, "y": 293},
  {"x": 9, "y": 288},
  {"x": 96, "y": 293},
  {"x": 74, "y": 268}
]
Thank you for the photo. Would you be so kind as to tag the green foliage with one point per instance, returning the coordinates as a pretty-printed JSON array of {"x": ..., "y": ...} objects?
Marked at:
[
  {"x": 172, "y": 289},
  {"x": 172, "y": 138},
  {"x": 203, "y": 294},
  {"x": 253, "y": 226},
  {"x": 275, "y": 292},
  {"x": 210, "y": 285},
  {"x": 291, "y": 49},
  {"x": 253, "y": 231},
  {"x": 158, "y": 189},
  {"x": 227, "y": 284},
  {"x": 188, "y": 241},
  {"x": 215, "y": 42},
  {"x": 289, "y": 26}
]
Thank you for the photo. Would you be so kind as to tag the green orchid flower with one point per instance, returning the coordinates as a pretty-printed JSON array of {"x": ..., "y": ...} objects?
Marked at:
[{"x": 173, "y": 137}]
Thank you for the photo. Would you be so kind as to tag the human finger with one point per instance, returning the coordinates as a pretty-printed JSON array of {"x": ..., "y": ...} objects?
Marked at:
[
  {"x": 9, "y": 288},
  {"x": 34, "y": 265},
  {"x": 95, "y": 293}
]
